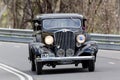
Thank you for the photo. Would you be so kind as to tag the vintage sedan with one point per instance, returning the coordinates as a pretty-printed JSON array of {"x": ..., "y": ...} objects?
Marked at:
[{"x": 61, "y": 39}]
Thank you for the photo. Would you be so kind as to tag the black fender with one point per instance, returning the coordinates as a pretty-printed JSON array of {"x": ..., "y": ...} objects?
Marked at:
[
  {"x": 89, "y": 48},
  {"x": 92, "y": 47},
  {"x": 35, "y": 49}
]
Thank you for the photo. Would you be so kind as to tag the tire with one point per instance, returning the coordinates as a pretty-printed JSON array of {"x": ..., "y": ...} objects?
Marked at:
[
  {"x": 38, "y": 68},
  {"x": 91, "y": 66},
  {"x": 85, "y": 64},
  {"x": 30, "y": 52},
  {"x": 33, "y": 68}
]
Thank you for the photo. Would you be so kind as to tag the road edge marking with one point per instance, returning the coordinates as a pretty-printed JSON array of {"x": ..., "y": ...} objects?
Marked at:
[
  {"x": 18, "y": 75},
  {"x": 111, "y": 63},
  {"x": 16, "y": 71}
]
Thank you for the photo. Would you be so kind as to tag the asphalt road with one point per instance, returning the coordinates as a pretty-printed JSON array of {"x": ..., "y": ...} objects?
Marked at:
[{"x": 15, "y": 55}]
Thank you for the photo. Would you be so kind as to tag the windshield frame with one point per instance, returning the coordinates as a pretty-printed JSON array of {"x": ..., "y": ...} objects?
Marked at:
[{"x": 71, "y": 27}]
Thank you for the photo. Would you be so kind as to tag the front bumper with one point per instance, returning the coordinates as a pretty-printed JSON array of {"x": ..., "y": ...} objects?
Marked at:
[{"x": 47, "y": 59}]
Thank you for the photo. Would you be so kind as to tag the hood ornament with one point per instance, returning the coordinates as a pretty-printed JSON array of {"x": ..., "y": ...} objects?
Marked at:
[{"x": 64, "y": 30}]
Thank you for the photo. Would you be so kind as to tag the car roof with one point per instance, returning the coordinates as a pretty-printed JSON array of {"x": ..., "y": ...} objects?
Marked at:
[{"x": 58, "y": 15}]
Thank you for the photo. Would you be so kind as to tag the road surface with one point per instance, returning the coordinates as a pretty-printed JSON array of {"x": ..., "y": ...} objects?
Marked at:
[{"x": 14, "y": 65}]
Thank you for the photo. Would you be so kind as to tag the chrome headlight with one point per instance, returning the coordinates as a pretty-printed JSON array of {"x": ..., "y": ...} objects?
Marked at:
[
  {"x": 49, "y": 40},
  {"x": 80, "y": 38}
]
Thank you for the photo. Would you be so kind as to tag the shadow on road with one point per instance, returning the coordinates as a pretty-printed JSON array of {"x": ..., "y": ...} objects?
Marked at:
[
  {"x": 52, "y": 71},
  {"x": 63, "y": 70}
]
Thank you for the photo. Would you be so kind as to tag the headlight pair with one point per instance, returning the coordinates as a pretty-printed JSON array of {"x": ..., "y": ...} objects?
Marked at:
[{"x": 80, "y": 39}]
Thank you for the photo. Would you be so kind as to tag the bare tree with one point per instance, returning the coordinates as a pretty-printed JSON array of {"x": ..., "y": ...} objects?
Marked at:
[
  {"x": 103, "y": 15},
  {"x": 117, "y": 16}
]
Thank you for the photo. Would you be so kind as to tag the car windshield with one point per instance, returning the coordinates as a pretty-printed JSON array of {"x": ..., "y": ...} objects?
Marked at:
[{"x": 61, "y": 23}]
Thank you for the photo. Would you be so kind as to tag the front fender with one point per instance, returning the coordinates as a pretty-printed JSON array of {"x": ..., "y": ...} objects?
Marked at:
[
  {"x": 36, "y": 48},
  {"x": 90, "y": 48},
  {"x": 39, "y": 49}
]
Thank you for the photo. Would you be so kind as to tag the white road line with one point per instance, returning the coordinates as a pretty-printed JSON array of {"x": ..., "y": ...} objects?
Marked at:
[
  {"x": 111, "y": 62},
  {"x": 16, "y": 71},
  {"x": 21, "y": 77},
  {"x": 17, "y": 46}
]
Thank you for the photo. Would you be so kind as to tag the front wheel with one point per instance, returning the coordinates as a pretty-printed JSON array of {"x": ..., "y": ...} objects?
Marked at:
[
  {"x": 84, "y": 64},
  {"x": 91, "y": 66},
  {"x": 38, "y": 68},
  {"x": 33, "y": 68}
]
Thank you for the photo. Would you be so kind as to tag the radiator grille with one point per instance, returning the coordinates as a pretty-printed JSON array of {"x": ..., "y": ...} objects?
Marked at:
[{"x": 64, "y": 40}]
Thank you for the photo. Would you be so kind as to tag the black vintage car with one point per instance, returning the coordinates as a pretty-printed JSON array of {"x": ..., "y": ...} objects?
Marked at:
[{"x": 61, "y": 39}]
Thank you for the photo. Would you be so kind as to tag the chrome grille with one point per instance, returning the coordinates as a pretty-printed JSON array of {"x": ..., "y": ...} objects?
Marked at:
[{"x": 64, "y": 41}]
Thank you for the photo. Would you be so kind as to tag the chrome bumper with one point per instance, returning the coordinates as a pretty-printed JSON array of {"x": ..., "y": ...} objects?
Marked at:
[{"x": 65, "y": 58}]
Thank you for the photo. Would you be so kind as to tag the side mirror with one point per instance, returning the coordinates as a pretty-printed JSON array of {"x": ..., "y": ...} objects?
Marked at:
[
  {"x": 84, "y": 24},
  {"x": 36, "y": 25}
]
